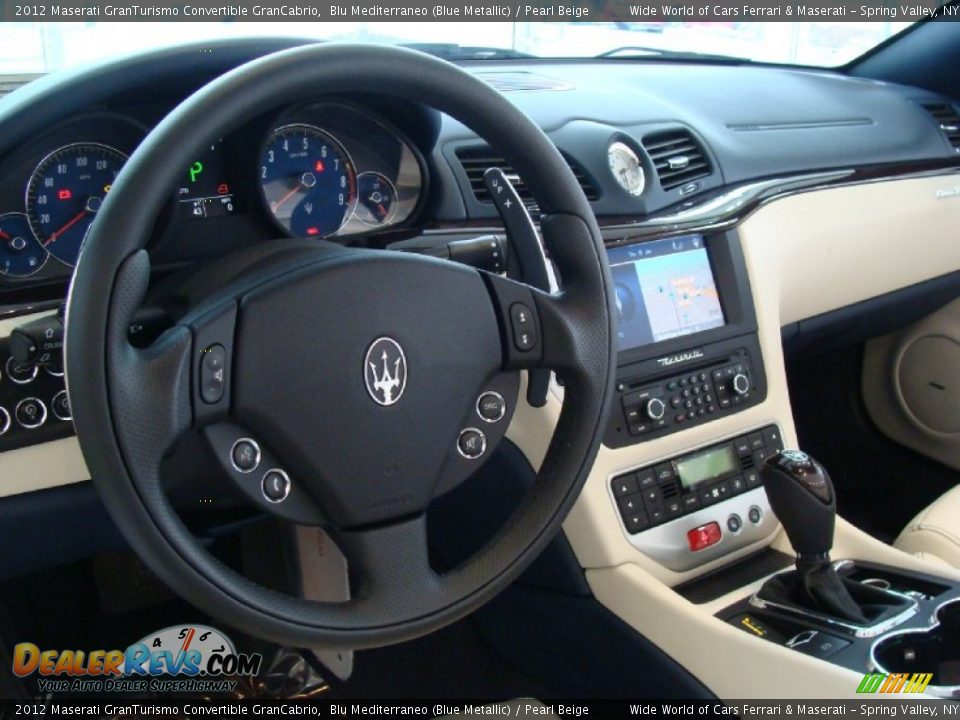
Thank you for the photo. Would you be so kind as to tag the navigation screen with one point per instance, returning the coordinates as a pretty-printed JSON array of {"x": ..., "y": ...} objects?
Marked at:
[{"x": 665, "y": 289}]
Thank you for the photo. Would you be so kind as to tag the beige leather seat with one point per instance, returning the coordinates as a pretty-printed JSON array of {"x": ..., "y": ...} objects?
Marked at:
[{"x": 934, "y": 534}]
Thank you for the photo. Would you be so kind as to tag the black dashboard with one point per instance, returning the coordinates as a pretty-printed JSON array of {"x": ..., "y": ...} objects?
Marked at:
[{"x": 647, "y": 139}]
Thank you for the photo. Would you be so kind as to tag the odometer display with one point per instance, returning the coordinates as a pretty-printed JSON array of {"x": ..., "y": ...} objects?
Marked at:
[
  {"x": 308, "y": 180},
  {"x": 65, "y": 193}
]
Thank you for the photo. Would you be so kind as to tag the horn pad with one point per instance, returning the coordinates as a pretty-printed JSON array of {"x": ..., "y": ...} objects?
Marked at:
[{"x": 360, "y": 374}]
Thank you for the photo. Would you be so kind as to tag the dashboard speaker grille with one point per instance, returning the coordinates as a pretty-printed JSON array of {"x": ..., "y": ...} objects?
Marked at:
[
  {"x": 677, "y": 157},
  {"x": 949, "y": 120},
  {"x": 476, "y": 160}
]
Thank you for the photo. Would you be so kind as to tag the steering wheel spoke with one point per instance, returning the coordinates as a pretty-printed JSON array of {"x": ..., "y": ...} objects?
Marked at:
[{"x": 389, "y": 562}]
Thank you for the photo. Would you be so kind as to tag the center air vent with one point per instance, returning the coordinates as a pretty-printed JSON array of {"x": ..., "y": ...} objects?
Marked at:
[
  {"x": 476, "y": 160},
  {"x": 949, "y": 121},
  {"x": 677, "y": 157}
]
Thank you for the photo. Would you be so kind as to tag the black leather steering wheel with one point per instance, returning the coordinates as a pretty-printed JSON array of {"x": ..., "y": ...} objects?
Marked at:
[{"x": 292, "y": 330}]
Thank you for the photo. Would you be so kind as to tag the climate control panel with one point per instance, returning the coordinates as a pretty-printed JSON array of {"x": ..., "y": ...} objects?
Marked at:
[{"x": 689, "y": 509}]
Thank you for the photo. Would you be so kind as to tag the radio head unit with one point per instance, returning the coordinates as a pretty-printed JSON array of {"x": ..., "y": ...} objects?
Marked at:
[{"x": 688, "y": 348}]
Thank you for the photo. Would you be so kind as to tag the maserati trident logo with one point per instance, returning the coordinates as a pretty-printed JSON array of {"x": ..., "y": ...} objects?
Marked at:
[{"x": 385, "y": 371}]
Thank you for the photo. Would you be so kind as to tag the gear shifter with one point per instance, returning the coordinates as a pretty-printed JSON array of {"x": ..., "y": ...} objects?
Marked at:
[{"x": 801, "y": 495}]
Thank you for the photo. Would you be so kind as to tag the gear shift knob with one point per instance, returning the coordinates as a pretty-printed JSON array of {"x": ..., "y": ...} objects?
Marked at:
[{"x": 801, "y": 495}]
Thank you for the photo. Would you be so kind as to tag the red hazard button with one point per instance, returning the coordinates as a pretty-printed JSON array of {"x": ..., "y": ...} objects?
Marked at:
[{"x": 704, "y": 536}]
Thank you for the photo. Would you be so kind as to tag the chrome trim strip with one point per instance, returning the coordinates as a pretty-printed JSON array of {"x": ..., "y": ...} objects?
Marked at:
[
  {"x": 942, "y": 691},
  {"x": 860, "y": 631}
]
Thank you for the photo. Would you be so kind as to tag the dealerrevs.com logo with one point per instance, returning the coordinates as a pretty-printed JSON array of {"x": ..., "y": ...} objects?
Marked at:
[{"x": 184, "y": 658}]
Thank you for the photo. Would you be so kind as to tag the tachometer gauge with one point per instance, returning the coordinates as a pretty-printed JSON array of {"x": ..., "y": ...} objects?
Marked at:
[
  {"x": 376, "y": 198},
  {"x": 65, "y": 193},
  {"x": 20, "y": 253},
  {"x": 626, "y": 168},
  {"x": 308, "y": 180}
]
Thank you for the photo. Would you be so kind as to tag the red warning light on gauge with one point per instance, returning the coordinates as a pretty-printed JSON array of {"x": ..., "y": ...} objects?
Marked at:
[
  {"x": 64, "y": 194},
  {"x": 319, "y": 167},
  {"x": 313, "y": 231},
  {"x": 223, "y": 189}
]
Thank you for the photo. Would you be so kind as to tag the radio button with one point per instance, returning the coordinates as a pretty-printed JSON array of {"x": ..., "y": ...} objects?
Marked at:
[
  {"x": 690, "y": 502},
  {"x": 624, "y": 485},
  {"x": 652, "y": 496},
  {"x": 673, "y": 508},
  {"x": 740, "y": 384},
  {"x": 742, "y": 446},
  {"x": 752, "y": 477},
  {"x": 756, "y": 441},
  {"x": 654, "y": 409},
  {"x": 656, "y": 514},
  {"x": 639, "y": 428}
]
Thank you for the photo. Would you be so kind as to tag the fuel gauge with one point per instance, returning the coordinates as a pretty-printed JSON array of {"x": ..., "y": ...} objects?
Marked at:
[
  {"x": 376, "y": 199},
  {"x": 21, "y": 254}
]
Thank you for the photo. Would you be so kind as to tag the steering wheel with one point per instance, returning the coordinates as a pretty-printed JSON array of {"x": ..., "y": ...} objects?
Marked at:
[{"x": 354, "y": 372}]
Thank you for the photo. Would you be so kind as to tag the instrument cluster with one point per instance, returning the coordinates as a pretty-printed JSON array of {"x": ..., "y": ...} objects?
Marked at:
[{"x": 329, "y": 170}]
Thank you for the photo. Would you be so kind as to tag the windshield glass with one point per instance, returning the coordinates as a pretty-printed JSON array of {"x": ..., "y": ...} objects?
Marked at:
[{"x": 46, "y": 46}]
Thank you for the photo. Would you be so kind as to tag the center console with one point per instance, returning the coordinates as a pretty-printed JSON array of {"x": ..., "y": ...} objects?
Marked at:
[{"x": 688, "y": 355}]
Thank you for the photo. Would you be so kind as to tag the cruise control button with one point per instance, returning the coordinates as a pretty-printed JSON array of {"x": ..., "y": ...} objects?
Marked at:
[
  {"x": 61, "y": 406},
  {"x": 524, "y": 330},
  {"x": 31, "y": 413},
  {"x": 275, "y": 485},
  {"x": 4, "y": 420},
  {"x": 491, "y": 406},
  {"x": 20, "y": 374},
  {"x": 245, "y": 455},
  {"x": 213, "y": 374},
  {"x": 472, "y": 443}
]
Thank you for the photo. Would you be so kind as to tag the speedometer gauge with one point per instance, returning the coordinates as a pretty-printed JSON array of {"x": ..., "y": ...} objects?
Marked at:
[
  {"x": 308, "y": 180},
  {"x": 65, "y": 193}
]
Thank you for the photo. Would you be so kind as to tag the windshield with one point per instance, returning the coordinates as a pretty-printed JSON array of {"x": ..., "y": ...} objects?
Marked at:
[{"x": 45, "y": 46}]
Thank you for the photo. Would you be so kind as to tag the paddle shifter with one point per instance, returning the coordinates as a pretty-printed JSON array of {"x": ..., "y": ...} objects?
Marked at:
[{"x": 801, "y": 495}]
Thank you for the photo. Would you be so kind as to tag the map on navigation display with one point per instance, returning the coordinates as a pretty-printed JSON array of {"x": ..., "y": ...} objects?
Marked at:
[{"x": 679, "y": 293}]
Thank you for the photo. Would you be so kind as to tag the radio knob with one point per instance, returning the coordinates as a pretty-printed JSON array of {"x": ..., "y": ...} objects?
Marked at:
[
  {"x": 654, "y": 409},
  {"x": 740, "y": 384}
]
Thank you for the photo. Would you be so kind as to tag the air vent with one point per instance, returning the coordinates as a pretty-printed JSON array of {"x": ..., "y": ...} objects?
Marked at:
[
  {"x": 677, "y": 156},
  {"x": 746, "y": 463},
  {"x": 949, "y": 121},
  {"x": 476, "y": 160}
]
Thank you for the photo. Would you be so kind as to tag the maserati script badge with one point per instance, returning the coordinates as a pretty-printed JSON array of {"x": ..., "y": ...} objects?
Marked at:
[{"x": 385, "y": 371}]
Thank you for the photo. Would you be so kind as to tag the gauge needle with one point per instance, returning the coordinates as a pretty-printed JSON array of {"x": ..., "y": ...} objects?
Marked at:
[
  {"x": 4, "y": 235},
  {"x": 73, "y": 221},
  {"x": 286, "y": 197}
]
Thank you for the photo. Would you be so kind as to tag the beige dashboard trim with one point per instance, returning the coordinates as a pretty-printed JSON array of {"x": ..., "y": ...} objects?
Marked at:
[
  {"x": 39, "y": 467},
  {"x": 806, "y": 254}
]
